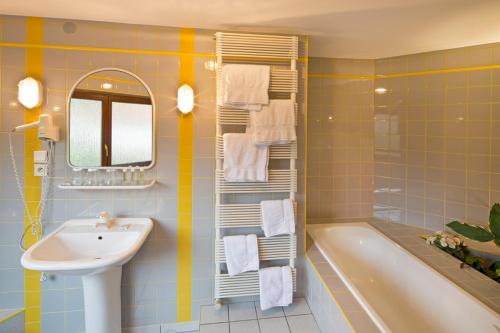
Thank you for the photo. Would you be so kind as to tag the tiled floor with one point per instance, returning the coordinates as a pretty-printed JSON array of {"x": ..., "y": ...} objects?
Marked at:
[{"x": 247, "y": 317}]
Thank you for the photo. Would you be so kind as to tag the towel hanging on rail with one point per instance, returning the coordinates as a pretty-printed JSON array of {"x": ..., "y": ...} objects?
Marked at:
[
  {"x": 274, "y": 124},
  {"x": 244, "y": 86},
  {"x": 244, "y": 161},
  {"x": 277, "y": 217},
  {"x": 276, "y": 287},
  {"x": 242, "y": 253}
]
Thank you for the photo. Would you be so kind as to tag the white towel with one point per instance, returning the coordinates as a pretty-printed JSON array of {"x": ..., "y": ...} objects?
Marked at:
[
  {"x": 244, "y": 86},
  {"x": 277, "y": 217},
  {"x": 274, "y": 124},
  {"x": 276, "y": 287},
  {"x": 244, "y": 161},
  {"x": 242, "y": 253}
]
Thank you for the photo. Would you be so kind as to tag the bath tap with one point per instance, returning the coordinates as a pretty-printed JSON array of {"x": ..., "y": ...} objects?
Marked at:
[{"x": 105, "y": 220}]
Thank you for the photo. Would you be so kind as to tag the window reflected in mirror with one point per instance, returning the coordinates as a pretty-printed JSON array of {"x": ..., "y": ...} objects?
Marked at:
[{"x": 110, "y": 122}]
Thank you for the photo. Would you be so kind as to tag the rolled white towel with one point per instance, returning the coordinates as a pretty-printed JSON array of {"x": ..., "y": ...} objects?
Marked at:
[
  {"x": 276, "y": 287},
  {"x": 278, "y": 217},
  {"x": 242, "y": 253},
  {"x": 244, "y": 86},
  {"x": 244, "y": 161},
  {"x": 274, "y": 124}
]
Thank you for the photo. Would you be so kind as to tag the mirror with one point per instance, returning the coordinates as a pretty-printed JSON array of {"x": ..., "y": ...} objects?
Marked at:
[{"x": 110, "y": 121}]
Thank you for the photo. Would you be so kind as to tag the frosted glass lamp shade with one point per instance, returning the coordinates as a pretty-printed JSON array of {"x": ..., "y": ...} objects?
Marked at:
[
  {"x": 185, "y": 99},
  {"x": 29, "y": 93}
]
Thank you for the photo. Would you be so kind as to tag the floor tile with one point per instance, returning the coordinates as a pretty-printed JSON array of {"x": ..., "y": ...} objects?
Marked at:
[
  {"x": 274, "y": 325},
  {"x": 302, "y": 324},
  {"x": 270, "y": 313},
  {"x": 242, "y": 311},
  {"x": 247, "y": 326},
  {"x": 209, "y": 315},
  {"x": 214, "y": 328},
  {"x": 298, "y": 307}
]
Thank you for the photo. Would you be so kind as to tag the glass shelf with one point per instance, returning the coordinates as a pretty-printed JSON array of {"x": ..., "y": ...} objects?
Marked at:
[{"x": 107, "y": 187}]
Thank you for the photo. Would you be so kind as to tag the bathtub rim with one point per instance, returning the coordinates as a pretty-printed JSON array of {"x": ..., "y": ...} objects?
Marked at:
[{"x": 377, "y": 320}]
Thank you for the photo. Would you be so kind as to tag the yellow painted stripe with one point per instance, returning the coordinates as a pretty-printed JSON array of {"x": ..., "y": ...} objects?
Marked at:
[
  {"x": 306, "y": 103},
  {"x": 438, "y": 71},
  {"x": 340, "y": 76},
  {"x": 185, "y": 184},
  {"x": 32, "y": 185},
  {"x": 404, "y": 74},
  {"x": 12, "y": 315},
  {"x": 41, "y": 45},
  {"x": 135, "y": 51}
]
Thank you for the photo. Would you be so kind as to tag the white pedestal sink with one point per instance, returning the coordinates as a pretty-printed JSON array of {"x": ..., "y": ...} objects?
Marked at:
[{"x": 97, "y": 253}]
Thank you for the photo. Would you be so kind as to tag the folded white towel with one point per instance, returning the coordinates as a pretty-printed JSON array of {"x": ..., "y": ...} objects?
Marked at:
[
  {"x": 244, "y": 86},
  {"x": 242, "y": 253},
  {"x": 274, "y": 124},
  {"x": 244, "y": 161},
  {"x": 277, "y": 217},
  {"x": 276, "y": 287}
]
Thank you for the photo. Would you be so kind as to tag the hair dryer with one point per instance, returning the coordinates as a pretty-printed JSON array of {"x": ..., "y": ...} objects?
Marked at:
[{"x": 46, "y": 129}]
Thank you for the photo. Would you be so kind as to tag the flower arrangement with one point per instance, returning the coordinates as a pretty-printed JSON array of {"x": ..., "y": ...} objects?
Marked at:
[
  {"x": 456, "y": 246},
  {"x": 445, "y": 240}
]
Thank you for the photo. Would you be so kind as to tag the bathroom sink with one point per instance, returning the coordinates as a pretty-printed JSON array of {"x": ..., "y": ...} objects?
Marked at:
[
  {"x": 97, "y": 252},
  {"x": 81, "y": 247}
]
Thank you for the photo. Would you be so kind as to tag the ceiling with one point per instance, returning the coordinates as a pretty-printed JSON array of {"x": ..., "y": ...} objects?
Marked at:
[{"x": 363, "y": 29}]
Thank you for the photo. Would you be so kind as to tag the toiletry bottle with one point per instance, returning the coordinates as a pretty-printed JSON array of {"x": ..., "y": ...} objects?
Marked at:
[
  {"x": 124, "y": 176},
  {"x": 77, "y": 179},
  {"x": 141, "y": 176},
  {"x": 109, "y": 177}
]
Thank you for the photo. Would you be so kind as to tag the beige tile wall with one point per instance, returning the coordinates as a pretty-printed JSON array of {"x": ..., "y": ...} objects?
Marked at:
[
  {"x": 340, "y": 139},
  {"x": 437, "y": 141}
]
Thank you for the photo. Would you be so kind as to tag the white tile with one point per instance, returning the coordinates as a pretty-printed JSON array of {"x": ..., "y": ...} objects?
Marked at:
[
  {"x": 210, "y": 315},
  {"x": 302, "y": 324},
  {"x": 274, "y": 325},
  {"x": 215, "y": 328},
  {"x": 242, "y": 311},
  {"x": 298, "y": 307},
  {"x": 270, "y": 313},
  {"x": 247, "y": 326}
]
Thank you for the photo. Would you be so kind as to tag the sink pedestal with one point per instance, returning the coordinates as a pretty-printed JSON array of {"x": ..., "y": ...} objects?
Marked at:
[{"x": 102, "y": 301}]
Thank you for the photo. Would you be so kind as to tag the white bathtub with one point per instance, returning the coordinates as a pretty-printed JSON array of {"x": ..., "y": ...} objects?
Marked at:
[{"x": 397, "y": 290}]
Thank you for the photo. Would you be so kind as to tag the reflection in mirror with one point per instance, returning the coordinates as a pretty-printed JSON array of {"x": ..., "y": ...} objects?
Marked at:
[{"x": 110, "y": 122}]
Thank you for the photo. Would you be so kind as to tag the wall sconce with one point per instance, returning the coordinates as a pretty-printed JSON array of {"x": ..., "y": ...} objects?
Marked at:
[
  {"x": 185, "y": 99},
  {"x": 29, "y": 93}
]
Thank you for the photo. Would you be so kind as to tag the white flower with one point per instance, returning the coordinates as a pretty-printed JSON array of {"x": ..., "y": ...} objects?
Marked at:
[
  {"x": 443, "y": 243},
  {"x": 451, "y": 243}
]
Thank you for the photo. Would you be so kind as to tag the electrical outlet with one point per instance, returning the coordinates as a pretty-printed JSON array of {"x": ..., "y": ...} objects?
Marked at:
[{"x": 40, "y": 170}]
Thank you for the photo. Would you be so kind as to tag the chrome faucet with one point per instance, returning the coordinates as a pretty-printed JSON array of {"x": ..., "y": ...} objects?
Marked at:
[{"x": 105, "y": 220}]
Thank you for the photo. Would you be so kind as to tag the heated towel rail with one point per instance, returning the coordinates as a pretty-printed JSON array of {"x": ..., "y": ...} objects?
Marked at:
[{"x": 281, "y": 53}]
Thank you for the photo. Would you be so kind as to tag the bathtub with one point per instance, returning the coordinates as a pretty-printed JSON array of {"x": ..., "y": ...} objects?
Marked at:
[{"x": 398, "y": 291}]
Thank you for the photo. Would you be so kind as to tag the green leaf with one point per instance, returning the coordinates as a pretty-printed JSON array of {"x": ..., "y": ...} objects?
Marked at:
[
  {"x": 495, "y": 220},
  {"x": 497, "y": 241},
  {"x": 472, "y": 232}
]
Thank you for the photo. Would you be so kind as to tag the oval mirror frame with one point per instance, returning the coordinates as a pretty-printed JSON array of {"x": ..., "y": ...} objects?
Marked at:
[{"x": 153, "y": 103}]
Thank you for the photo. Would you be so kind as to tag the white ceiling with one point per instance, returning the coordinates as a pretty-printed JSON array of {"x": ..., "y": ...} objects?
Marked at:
[{"x": 338, "y": 28}]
